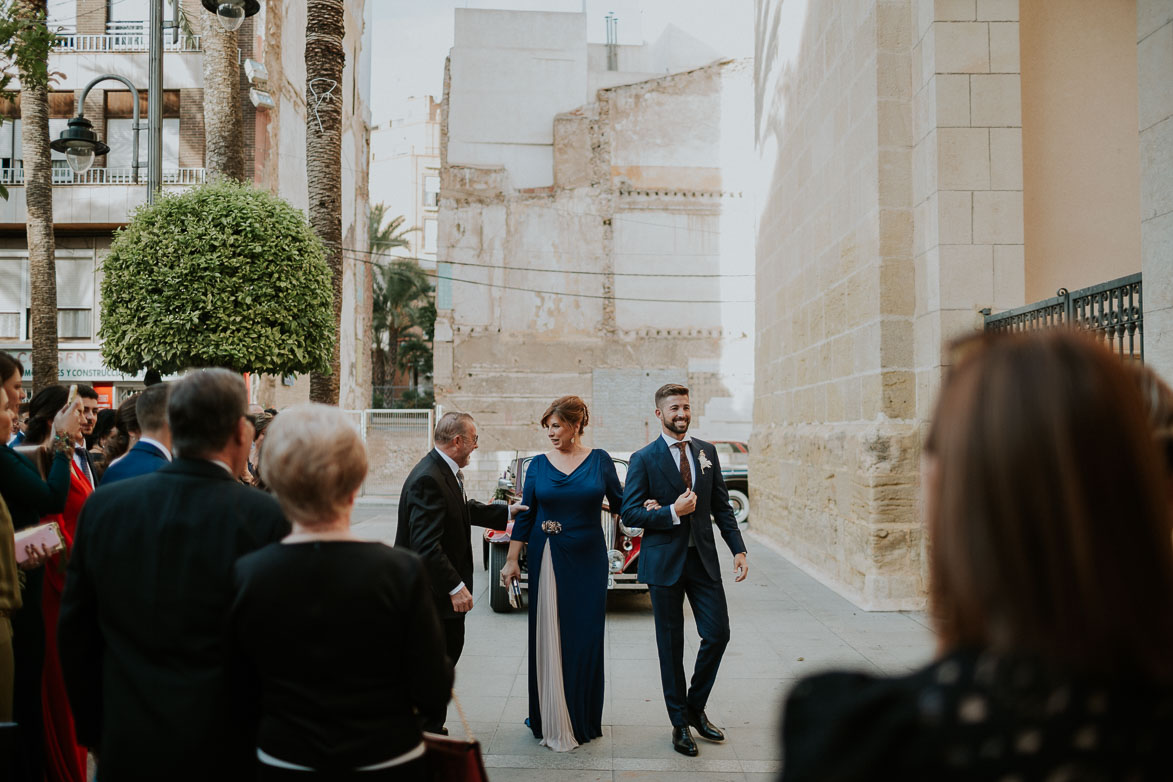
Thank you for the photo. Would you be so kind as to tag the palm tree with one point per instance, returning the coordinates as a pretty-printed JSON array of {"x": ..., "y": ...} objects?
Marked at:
[
  {"x": 387, "y": 237},
  {"x": 223, "y": 124},
  {"x": 401, "y": 302},
  {"x": 33, "y": 65},
  {"x": 325, "y": 57}
]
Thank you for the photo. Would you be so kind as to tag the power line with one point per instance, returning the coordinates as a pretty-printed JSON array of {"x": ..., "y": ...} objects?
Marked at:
[
  {"x": 436, "y": 276},
  {"x": 586, "y": 272}
]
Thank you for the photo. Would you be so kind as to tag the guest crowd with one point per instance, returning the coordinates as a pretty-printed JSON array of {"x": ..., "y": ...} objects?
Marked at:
[{"x": 206, "y": 613}]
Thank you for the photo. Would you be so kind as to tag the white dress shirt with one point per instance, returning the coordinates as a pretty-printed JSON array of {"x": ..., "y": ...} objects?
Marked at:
[
  {"x": 672, "y": 449},
  {"x": 456, "y": 473}
]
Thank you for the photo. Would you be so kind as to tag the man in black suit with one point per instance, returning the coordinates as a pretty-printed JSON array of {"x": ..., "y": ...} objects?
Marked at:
[
  {"x": 148, "y": 587},
  {"x": 153, "y": 449},
  {"x": 678, "y": 558},
  {"x": 435, "y": 518}
]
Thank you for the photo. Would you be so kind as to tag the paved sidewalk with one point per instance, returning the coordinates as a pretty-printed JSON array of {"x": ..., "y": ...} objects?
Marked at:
[{"x": 784, "y": 625}]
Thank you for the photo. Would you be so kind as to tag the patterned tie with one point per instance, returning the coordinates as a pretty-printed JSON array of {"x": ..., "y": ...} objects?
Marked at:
[
  {"x": 685, "y": 468},
  {"x": 85, "y": 463},
  {"x": 460, "y": 480}
]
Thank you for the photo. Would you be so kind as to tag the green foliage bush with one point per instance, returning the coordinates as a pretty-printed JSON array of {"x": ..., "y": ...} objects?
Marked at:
[{"x": 220, "y": 275}]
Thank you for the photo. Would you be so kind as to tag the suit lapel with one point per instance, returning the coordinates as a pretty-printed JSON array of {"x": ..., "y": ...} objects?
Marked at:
[
  {"x": 453, "y": 484},
  {"x": 668, "y": 464},
  {"x": 697, "y": 481}
]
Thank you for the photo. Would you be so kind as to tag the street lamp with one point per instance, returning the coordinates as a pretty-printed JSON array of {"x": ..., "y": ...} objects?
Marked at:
[
  {"x": 231, "y": 13},
  {"x": 81, "y": 144}
]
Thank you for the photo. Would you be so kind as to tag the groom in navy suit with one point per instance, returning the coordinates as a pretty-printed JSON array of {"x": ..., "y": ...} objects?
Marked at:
[{"x": 678, "y": 557}]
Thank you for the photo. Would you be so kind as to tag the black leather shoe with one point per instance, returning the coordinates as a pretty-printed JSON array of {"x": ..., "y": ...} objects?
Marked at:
[
  {"x": 682, "y": 741},
  {"x": 704, "y": 728}
]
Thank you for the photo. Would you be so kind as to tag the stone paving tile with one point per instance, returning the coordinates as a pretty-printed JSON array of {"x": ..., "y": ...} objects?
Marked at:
[{"x": 785, "y": 625}]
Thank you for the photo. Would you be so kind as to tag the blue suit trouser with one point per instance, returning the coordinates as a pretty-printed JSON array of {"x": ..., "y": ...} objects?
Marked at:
[{"x": 706, "y": 595}]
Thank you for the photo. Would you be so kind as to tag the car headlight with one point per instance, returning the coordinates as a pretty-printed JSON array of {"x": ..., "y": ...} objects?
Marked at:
[{"x": 629, "y": 531}]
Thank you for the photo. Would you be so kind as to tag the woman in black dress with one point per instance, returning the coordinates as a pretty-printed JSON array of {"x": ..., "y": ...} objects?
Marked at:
[
  {"x": 336, "y": 640},
  {"x": 1051, "y": 588}
]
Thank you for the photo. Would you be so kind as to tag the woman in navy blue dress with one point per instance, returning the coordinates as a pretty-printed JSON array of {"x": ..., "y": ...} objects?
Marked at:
[{"x": 564, "y": 491}]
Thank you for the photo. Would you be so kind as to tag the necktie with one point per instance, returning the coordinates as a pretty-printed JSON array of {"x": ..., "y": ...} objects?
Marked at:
[
  {"x": 85, "y": 463},
  {"x": 685, "y": 468},
  {"x": 460, "y": 480},
  {"x": 686, "y": 474}
]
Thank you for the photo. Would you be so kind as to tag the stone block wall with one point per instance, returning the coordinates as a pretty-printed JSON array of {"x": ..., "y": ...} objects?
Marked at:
[
  {"x": 835, "y": 443},
  {"x": 1155, "y": 66}
]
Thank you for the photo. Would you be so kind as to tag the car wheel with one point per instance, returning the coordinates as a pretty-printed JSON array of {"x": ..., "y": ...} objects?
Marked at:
[
  {"x": 740, "y": 503},
  {"x": 498, "y": 595}
]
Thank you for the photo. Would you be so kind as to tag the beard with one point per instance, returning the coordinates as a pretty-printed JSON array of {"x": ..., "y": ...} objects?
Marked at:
[{"x": 677, "y": 425}]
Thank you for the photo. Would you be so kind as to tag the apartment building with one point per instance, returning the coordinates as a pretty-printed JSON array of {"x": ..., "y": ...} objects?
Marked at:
[
  {"x": 99, "y": 37},
  {"x": 405, "y": 173}
]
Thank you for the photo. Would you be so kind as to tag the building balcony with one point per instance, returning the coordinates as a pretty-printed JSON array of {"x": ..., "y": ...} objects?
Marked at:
[
  {"x": 99, "y": 197},
  {"x": 122, "y": 37}
]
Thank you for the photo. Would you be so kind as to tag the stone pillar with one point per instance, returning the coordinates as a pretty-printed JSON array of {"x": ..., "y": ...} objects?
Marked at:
[
  {"x": 1155, "y": 66},
  {"x": 967, "y": 175}
]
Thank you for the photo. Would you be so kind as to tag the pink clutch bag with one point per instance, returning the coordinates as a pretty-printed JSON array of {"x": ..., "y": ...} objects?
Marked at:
[{"x": 40, "y": 535}]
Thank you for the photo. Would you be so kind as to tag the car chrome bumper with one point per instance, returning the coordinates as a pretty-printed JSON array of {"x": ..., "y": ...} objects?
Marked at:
[{"x": 614, "y": 581}]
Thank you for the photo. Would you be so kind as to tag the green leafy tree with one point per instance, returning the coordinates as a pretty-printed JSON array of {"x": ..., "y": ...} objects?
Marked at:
[
  {"x": 402, "y": 299},
  {"x": 384, "y": 238},
  {"x": 221, "y": 275}
]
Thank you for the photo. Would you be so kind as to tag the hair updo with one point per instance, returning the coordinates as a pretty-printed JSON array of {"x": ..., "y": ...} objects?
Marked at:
[{"x": 571, "y": 409}]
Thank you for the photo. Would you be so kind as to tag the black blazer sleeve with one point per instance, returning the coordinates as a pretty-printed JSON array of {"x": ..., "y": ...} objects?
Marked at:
[
  {"x": 427, "y": 509},
  {"x": 493, "y": 516},
  {"x": 79, "y": 641},
  {"x": 430, "y": 671}
]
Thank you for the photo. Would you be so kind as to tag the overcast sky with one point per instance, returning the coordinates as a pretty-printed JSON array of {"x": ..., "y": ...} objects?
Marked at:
[{"x": 411, "y": 38}]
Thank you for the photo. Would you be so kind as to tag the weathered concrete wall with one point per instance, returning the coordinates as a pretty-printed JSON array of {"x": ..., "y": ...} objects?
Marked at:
[
  {"x": 1155, "y": 65},
  {"x": 543, "y": 297},
  {"x": 834, "y": 451}
]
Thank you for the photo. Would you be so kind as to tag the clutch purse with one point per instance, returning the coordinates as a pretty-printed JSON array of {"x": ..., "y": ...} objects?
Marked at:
[
  {"x": 454, "y": 760},
  {"x": 40, "y": 535}
]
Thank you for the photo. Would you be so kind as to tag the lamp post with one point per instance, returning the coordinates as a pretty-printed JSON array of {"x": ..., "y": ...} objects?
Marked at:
[{"x": 81, "y": 144}]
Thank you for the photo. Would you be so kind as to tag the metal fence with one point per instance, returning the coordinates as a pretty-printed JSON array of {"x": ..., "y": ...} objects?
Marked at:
[
  {"x": 108, "y": 176},
  {"x": 1112, "y": 311},
  {"x": 395, "y": 441}
]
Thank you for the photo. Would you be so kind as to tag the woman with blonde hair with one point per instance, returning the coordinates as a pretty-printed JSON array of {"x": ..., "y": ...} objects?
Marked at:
[
  {"x": 336, "y": 638},
  {"x": 1051, "y": 588}
]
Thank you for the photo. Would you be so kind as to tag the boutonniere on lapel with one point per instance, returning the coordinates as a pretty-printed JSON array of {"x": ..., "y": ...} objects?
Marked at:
[{"x": 703, "y": 461}]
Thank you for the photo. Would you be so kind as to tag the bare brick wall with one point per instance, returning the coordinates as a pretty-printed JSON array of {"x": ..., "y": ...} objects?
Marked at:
[
  {"x": 191, "y": 128},
  {"x": 95, "y": 109},
  {"x": 91, "y": 17},
  {"x": 248, "y": 113}
]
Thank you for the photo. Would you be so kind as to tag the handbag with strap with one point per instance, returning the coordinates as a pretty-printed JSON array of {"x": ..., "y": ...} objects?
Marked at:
[{"x": 454, "y": 760}]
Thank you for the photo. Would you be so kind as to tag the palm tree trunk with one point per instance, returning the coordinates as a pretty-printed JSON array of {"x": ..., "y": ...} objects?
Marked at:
[
  {"x": 38, "y": 178},
  {"x": 223, "y": 126},
  {"x": 324, "y": 59}
]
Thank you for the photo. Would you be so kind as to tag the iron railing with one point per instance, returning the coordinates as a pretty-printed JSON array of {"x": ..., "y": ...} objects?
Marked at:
[
  {"x": 107, "y": 176},
  {"x": 1112, "y": 311}
]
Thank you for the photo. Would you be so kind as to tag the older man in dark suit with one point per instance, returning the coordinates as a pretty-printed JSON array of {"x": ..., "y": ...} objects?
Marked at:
[
  {"x": 435, "y": 521},
  {"x": 148, "y": 587}
]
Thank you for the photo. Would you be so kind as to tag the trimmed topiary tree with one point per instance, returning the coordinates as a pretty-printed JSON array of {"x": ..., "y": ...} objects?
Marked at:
[{"x": 221, "y": 275}]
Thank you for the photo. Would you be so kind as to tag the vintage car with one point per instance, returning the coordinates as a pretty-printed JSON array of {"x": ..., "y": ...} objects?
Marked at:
[
  {"x": 622, "y": 543},
  {"x": 734, "y": 456}
]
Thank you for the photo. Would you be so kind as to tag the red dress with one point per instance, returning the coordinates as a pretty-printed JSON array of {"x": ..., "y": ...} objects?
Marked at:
[{"x": 65, "y": 761}]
